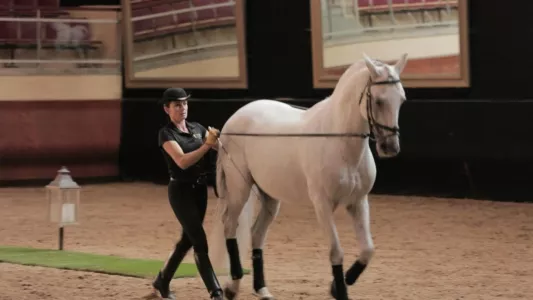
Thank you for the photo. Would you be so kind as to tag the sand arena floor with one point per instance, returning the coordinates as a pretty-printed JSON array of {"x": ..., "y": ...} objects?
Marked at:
[{"x": 426, "y": 248}]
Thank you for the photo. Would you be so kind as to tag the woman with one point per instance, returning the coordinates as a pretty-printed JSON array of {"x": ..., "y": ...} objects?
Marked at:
[{"x": 184, "y": 146}]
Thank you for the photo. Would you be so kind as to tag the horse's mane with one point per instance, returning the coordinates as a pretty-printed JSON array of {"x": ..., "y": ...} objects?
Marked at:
[
  {"x": 353, "y": 70},
  {"x": 348, "y": 75},
  {"x": 356, "y": 67}
]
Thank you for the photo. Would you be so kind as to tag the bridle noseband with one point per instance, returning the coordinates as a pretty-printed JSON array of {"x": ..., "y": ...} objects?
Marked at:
[{"x": 370, "y": 116}]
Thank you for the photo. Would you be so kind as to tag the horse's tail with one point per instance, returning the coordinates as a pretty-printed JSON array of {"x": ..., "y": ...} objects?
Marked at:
[
  {"x": 218, "y": 252},
  {"x": 220, "y": 176}
]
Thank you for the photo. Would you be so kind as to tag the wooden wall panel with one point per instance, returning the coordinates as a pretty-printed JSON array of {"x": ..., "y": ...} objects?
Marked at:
[{"x": 38, "y": 137}]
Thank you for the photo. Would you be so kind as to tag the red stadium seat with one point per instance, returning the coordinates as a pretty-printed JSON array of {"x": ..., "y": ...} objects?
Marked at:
[
  {"x": 381, "y": 2},
  {"x": 185, "y": 17},
  {"x": 28, "y": 33},
  {"x": 48, "y": 3},
  {"x": 193, "y": 18},
  {"x": 142, "y": 25},
  {"x": 205, "y": 14},
  {"x": 7, "y": 31},
  {"x": 164, "y": 21},
  {"x": 50, "y": 34},
  {"x": 5, "y": 4},
  {"x": 363, "y": 3},
  {"x": 226, "y": 11}
]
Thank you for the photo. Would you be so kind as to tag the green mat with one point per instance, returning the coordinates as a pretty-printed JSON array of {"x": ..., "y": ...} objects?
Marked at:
[{"x": 114, "y": 265}]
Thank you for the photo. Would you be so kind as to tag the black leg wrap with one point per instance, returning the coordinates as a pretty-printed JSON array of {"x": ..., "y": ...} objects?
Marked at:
[
  {"x": 353, "y": 273},
  {"x": 338, "y": 288},
  {"x": 235, "y": 260},
  {"x": 206, "y": 272},
  {"x": 259, "y": 276}
]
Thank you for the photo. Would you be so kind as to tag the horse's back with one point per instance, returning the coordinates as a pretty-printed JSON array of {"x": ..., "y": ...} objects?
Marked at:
[{"x": 263, "y": 116}]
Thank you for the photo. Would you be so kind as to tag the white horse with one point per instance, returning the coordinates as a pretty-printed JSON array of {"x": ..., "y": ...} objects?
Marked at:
[
  {"x": 286, "y": 153},
  {"x": 68, "y": 35}
]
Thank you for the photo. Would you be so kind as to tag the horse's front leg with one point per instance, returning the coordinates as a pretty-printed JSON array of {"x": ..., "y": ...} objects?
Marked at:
[
  {"x": 324, "y": 211},
  {"x": 268, "y": 212},
  {"x": 361, "y": 218}
]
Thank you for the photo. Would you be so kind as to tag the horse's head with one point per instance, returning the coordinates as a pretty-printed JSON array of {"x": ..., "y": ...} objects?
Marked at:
[{"x": 381, "y": 106}]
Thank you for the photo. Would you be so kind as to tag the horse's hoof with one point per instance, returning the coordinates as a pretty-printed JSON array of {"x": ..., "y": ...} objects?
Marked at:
[
  {"x": 229, "y": 294},
  {"x": 264, "y": 294}
]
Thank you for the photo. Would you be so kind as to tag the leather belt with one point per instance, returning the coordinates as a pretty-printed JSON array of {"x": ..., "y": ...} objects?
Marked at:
[{"x": 202, "y": 179}]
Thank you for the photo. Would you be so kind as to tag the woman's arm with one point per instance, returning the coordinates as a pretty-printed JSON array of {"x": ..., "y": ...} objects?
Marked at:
[{"x": 184, "y": 160}]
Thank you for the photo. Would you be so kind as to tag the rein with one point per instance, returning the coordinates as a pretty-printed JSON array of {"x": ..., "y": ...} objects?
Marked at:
[{"x": 370, "y": 118}]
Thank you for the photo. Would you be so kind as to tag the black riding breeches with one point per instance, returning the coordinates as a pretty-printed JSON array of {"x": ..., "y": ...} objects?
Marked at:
[{"x": 189, "y": 203}]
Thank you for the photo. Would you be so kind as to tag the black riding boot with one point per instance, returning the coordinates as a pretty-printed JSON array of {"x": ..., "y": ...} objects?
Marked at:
[
  {"x": 208, "y": 275},
  {"x": 162, "y": 281},
  {"x": 162, "y": 288}
]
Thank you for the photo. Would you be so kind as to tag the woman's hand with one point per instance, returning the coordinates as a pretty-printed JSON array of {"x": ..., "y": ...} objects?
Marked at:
[{"x": 211, "y": 137}]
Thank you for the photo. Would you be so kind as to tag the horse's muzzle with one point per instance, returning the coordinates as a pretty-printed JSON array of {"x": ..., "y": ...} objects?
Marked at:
[{"x": 388, "y": 147}]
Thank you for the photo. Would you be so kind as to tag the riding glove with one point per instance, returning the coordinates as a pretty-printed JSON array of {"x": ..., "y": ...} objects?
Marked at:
[{"x": 212, "y": 135}]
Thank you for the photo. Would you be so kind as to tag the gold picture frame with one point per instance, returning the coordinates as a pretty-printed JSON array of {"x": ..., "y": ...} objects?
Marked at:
[
  {"x": 239, "y": 82},
  {"x": 327, "y": 78}
]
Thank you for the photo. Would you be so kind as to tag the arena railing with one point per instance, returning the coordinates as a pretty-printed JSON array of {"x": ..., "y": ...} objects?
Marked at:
[
  {"x": 81, "y": 40},
  {"x": 373, "y": 8},
  {"x": 193, "y": 23},
  {"x": 386, "y": 6},
  {"x": 390, "y": 28}
]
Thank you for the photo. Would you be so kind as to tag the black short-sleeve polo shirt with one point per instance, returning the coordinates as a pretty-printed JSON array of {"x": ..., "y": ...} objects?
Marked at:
[{"x": 188, "y": 142}]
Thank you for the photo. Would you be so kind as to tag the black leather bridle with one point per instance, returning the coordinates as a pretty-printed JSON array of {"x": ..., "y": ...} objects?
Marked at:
[{"x": 369, "y": 112}]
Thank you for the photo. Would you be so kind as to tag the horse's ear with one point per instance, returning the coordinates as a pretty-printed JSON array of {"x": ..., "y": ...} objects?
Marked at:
[
  {"x": 400, "y": 65},
  {"x": 371, "y": 66}
]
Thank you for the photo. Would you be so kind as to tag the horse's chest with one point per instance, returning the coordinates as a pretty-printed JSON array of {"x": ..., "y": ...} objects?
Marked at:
[
  {"x": 347, "y": 180},
  {"x": 355, "y": 170},
  {"x": 348, "y": 176}
]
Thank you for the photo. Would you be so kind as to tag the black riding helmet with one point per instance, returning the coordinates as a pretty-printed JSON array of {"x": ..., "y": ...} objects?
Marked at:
[{"x": 174, "y": 94}]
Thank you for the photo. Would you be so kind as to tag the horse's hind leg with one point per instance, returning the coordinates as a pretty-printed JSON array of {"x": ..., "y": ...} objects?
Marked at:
[
  {"x": 359, "y": 212},
  {"x": 236, "y": 198},
  {"x": 268, "y": 212},
  {"x": 324, "y": 211}
]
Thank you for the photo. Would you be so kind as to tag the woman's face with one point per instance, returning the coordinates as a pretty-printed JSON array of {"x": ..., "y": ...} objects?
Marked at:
[{"x": 177, "y": 110}]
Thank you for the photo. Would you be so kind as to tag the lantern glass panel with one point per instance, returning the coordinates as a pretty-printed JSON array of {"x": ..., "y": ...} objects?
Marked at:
[{"x": 69, "y": 206}]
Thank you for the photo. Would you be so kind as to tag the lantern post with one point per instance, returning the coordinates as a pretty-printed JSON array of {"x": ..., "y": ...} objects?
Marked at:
[{"x": 63, "y": 195}]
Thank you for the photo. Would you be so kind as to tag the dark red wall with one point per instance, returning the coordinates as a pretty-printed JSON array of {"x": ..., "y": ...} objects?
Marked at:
[{"x": 38, "y": 137}]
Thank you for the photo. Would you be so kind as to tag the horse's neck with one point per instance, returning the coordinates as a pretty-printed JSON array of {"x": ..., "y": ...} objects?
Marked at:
[
  {"x": 342, "y": 114},
  {"x": 345, "y": 105}
]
